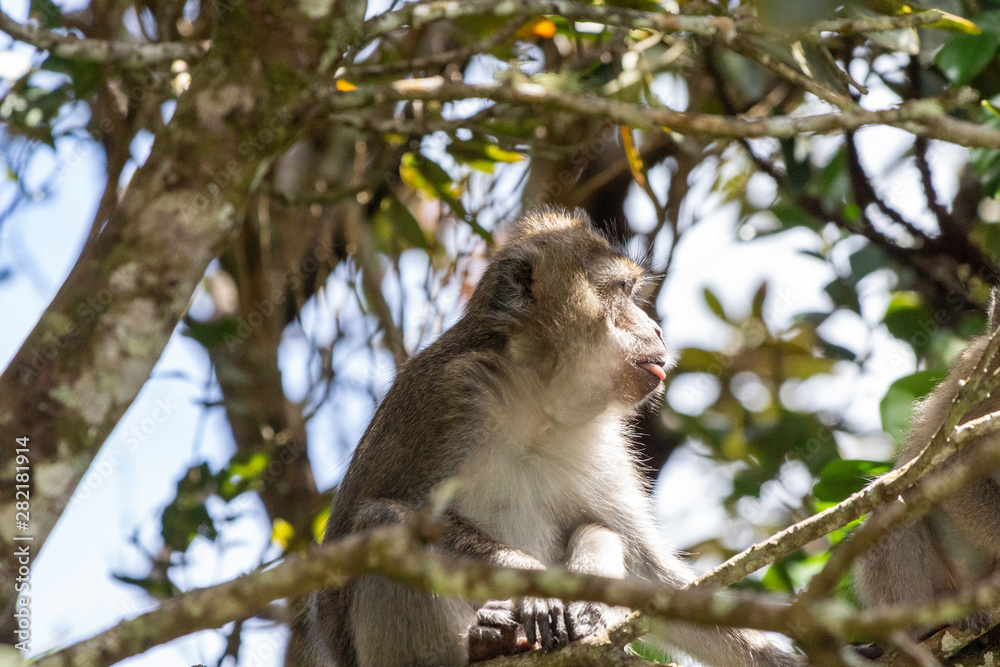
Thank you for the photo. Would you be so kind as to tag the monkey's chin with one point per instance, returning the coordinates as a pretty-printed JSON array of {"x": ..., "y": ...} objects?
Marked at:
[
  {"x": 647, "y": 378},
  {"x": 653, "y": 368}
]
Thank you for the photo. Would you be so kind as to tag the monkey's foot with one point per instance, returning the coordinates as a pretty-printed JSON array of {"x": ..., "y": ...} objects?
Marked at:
[
  {"x": 496, "y": 632},
  {"x": 555, "y": 623},
  {"x": 977, "y": 623},
  {"x": 544, "y": 621},
  {"x": 870, "y": 651}
]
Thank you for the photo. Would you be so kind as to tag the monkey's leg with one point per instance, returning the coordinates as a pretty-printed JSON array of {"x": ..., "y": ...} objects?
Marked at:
[
  {"x": 393, "y": 625},
  {"x": 975, "y": 511},
  {"x": 596, "y": 550}
]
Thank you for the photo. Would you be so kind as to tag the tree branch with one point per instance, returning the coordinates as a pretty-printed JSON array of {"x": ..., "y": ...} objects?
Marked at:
[
  {"x": 927, "y": 493},
  {"x": 877, "y": 493},
  {"x": 123, "y": 54},
  {"x": 418, "y": 14},
  {"x": 926, "y": 117},
  {"x": 398, "y": 553}
]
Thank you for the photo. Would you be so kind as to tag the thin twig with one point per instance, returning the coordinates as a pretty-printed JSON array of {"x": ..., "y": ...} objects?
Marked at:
[
  {"x": 748, "y": 49},
  {"x": 354, "y": 73}
]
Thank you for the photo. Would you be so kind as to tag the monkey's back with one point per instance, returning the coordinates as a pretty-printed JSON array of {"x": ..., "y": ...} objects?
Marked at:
[
  {"x": 394, "y": 462},
  {"x": 953, "y": 546}
]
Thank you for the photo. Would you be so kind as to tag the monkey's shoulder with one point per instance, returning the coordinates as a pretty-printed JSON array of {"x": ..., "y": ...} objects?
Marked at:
[{"x": 931, "y": 412}]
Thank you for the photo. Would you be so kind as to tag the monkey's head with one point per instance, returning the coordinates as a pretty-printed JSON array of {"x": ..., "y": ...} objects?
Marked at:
[{"x": 567, "y": 305}]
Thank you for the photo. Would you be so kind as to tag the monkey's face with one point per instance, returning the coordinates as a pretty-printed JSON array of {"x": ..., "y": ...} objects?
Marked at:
[
  {"x": 603, "y": 347},
  {"x": 635, "y": 340},
  {"x": 569, "y": 304}
]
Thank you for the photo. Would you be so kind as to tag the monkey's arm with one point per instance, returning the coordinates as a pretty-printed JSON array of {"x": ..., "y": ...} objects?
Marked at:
[
  {"x": 465, "y": 539},
  {"x": 976, "y": 512},
  {"x": 904, "y": 567},
  {"x": 392, "y": 624}
]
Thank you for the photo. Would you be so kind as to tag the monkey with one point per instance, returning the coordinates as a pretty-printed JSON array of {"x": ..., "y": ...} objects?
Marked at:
[
  {"x": 526, "y": 401},
  {"x": 958, "y": 543}
]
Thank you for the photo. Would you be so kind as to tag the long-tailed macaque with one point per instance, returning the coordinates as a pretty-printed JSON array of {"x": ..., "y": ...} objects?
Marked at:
[
  {"x": 956, "y": 545},
  {"x": 527, "y": 402}
]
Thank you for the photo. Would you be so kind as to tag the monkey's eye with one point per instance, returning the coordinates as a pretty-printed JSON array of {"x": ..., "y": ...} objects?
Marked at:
[{"x": 626, "y": 286}]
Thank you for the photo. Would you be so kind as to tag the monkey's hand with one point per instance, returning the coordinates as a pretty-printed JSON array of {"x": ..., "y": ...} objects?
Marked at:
[{"x": 555, "y": 623}]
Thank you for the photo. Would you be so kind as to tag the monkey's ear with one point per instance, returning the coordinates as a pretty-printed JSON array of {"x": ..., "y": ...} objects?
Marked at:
[
  {"x": 517, "y": 286},
  {"x": 994, "y": 311}
]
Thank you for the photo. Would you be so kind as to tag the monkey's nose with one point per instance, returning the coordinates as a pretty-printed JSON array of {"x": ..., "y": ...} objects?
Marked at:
[{"x": 658, "y": 330}]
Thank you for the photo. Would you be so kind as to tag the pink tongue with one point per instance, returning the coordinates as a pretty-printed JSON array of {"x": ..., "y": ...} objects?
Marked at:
[{"x": 655, "y": 370}]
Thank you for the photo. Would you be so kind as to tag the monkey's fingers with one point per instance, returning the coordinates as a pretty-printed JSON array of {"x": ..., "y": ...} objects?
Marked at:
[
  {"x": 498, "y": 614},
  {"x": 527, "y": 609},
  {"x": 557, "y": 621},
  {"x": 542, "y": 615},
  {"x": 535, "y": 617},
  {"x": 977, "y": 623},
  {"x": 551, "y": 624}
]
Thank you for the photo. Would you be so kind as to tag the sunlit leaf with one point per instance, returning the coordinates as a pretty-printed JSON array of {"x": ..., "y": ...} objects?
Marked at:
[
  {"x": 840, "y": 478},
  {"x": 282, "y": 533},
  {"x": 714, "y": 304},
  {"x": 966, "y": 55},
  {"x": 954, "y": 23}
]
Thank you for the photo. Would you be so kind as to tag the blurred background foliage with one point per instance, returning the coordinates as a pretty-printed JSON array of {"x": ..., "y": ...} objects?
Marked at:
[{"x": 364, "y": 239}]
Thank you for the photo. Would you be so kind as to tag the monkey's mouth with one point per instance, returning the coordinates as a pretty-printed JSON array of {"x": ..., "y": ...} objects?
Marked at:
[{"x": 653, "y": 367}]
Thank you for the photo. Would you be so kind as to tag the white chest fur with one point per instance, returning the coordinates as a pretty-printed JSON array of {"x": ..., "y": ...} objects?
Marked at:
[{"x": 532, "y": 480}]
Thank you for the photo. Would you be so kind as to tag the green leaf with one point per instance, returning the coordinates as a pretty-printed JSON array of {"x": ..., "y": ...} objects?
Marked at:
[
  {"x": 481, "y": 155},
  {"x": 213, "y": 334},
  {"x": 897, "y": 406},
  {"x": 186, "y": 517},
  {"x": 840, "y": 478},
  {"x": 757, "y": 305},
  {"x": 84, "y": 74},
  {"x": 986, "y": 236},
  {"x": 47, "y": 13},
  {"x": 394, "y": 229},
  {"x": 651, "y": 652},
  {"x": 798, "y": 172},
  {"x": 790, "y": 215},
  {"x": 907, "y": 319},
  {"x": 843, "y": 294},
  {"x": 865, "y": 260},
  {"x": 696, "y": 360},
  {"x": 241, "y": 475},
  {"x": 714, "y": 304},
  {"x": 986, "y": 162},
  {"x": 964, "y": 56},
  {"x": 834, "y": 351}
]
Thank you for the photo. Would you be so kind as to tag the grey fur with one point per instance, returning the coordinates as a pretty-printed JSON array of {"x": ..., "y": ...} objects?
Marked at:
[
  {"x": 958, "y": 544},
  {"x": 527, "y": 401}
]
